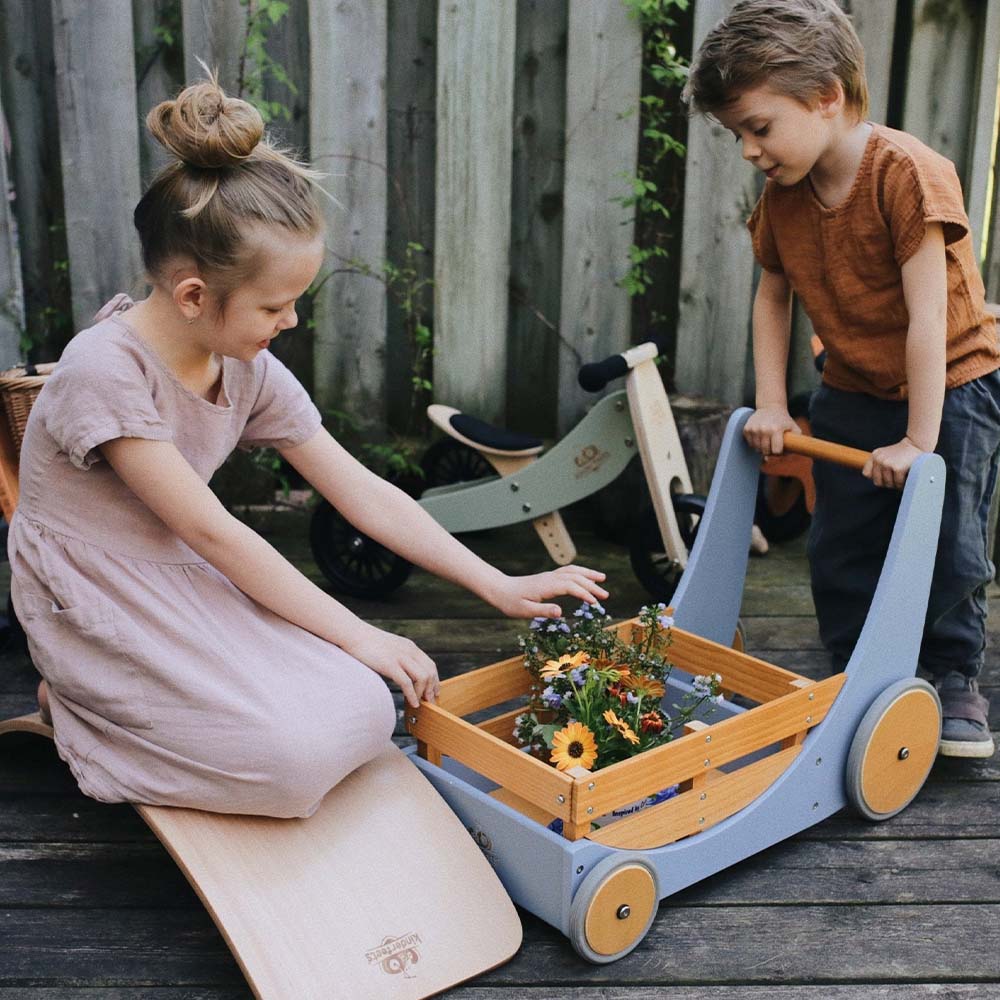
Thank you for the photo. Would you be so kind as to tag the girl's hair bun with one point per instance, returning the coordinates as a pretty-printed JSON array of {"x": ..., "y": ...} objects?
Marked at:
[{"x": 205, "y": 128}]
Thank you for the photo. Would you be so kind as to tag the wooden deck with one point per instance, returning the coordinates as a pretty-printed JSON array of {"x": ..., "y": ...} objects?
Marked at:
[{"x": 92, "y": 908}]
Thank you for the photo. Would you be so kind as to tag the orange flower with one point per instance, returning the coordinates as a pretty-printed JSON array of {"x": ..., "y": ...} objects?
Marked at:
[
  {"x": 574, "y": 746},
  {"x": 647, "y": 687},
  {"x": 565, "y": 663},
  {"x": 621, "y": 725}
]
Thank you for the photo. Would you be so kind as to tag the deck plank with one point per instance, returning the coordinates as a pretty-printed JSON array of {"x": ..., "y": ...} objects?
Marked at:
[{"x": 92, "y": 908}]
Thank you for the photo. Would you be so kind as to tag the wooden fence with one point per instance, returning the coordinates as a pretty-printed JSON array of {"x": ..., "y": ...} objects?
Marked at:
[{"x": 494, "y": 134}]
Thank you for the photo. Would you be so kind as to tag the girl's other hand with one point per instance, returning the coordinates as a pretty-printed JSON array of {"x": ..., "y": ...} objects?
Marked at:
[
  {"x": 398, "y": 659},
  {"x": 522, "y": 596},
  {"x": 765, "y": 430}
]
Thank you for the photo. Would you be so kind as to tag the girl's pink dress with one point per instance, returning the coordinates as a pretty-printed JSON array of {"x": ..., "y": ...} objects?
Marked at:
[{"x": 169, "y": 685}]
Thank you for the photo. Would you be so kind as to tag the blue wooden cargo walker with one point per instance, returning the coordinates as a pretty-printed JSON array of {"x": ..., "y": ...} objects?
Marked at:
[{"x": 781, "y": 753}]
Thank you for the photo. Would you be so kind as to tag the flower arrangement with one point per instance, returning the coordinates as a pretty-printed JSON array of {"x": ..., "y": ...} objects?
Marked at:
[{"x": 597, "y": 699}]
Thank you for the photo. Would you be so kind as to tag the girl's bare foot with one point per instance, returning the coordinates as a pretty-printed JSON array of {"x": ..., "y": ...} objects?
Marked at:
[{"x": 43, "y": 703}]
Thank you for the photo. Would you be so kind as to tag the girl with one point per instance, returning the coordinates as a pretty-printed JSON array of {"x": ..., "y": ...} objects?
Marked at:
[{"x": 185, "y": 662}]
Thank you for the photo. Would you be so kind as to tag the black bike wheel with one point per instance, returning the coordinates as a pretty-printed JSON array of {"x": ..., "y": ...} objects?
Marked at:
[
  {"x": 653, "y": 567},
  {"x": 353, "y": 563},
  {"x": 449, "y": 461},
  {"x": 781, "y": 512}
]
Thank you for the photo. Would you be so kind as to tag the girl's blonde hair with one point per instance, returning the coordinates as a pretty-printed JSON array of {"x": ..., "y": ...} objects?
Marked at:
[
  {"x": 227, "y": 179},
  {"x": 800, "y": 48}
]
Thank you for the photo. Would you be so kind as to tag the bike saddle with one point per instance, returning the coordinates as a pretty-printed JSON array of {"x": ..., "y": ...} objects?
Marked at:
[{"x": 482, "y": 436}]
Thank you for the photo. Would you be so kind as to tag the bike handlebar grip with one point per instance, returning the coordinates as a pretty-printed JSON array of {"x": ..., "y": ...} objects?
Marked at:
[
  {"x": 595, "y": 376},
  {"x": 803, "y": 444}
]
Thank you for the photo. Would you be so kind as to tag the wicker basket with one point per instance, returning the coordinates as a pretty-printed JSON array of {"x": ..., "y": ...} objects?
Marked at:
[{"x": 18, "y": 389}]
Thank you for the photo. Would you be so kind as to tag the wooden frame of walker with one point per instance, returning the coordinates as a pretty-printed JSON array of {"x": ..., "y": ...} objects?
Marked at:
[{"x": 787, "y": 707}]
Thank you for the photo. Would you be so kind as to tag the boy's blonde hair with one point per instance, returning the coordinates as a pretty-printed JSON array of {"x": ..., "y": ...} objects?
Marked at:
[
  {"x": 227, "y": 180},
  {"x": 797, "y": 47}
]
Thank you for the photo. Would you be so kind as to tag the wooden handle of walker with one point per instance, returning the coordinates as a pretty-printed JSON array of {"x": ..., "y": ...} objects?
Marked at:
[{"x": 803, "y": 444}]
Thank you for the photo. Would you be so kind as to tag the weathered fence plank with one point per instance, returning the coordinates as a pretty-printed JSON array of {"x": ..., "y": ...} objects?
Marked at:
[
  {"x": 875, "y": 22},
  {"x": 348, "y": 141},
  {"x": 991, "y": 268},
  {"x": 411, "y": 89},
  {"x": 982, "y": 153},
  {"x": 11, "y": 293},
  {"x": 155, "y": 81},
  {"x": 288, "y": 45},
  {"x": 536, "y": 215},
  {"x": 28, "y": 85},
  {"x": 603, "y": 84},
  {"x": 717, "y": 260},
  {"x": 214, "y": 31},
  {"x": 475, "y": 82},
  {"x": 941, "y": 77},
  {"x": 95, "y": 86}
]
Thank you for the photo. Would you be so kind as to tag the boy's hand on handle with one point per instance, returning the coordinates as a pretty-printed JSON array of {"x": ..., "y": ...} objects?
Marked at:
[
  {"x": 398, "y": 659},
  {"x": 765, "y": 430},
  {"x": 523, "y": 596},
  {"x": 888, "y": 466}
]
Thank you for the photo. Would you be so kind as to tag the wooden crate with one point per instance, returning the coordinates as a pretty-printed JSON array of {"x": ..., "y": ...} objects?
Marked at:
[{"x": 785, "y": 706}]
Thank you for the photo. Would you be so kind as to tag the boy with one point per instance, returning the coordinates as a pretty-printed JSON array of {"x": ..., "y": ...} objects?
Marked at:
[{"x": 867, "y": 226}]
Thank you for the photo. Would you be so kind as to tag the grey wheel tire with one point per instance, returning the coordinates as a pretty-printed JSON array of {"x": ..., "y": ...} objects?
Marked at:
[
  {"x": 893, "y": 749},
  {"x": 614, "y": 907}
]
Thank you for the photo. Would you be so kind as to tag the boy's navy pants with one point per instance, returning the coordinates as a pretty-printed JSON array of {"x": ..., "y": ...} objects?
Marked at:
[{"x": 853, "y": 522}]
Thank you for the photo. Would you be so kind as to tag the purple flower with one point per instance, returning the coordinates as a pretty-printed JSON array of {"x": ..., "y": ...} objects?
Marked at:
[
  {"x": 551, "y": 699},
  {"x": 632, "y": 698},
  {"x": 578, "y": 676},
  {"x": 563, "y": 627},
  {"x": 666, "y": 621},
  {"x": 537, "y": 623}
]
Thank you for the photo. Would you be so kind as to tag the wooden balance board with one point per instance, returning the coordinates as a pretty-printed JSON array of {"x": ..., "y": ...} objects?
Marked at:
[{"x": 380, "y": 894}]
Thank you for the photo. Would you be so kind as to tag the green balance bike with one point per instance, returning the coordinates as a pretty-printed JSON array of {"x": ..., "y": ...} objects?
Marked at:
[{"x": 480, "y": 476}]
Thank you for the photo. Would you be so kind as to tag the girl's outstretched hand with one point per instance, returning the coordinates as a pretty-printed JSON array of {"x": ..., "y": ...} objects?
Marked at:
[
  {"x": 523, "y": 596},
  {"x": 398, "y": 659}
]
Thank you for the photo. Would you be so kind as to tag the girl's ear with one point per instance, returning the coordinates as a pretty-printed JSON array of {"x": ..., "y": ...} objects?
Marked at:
[{"x": 190, "y": 297}]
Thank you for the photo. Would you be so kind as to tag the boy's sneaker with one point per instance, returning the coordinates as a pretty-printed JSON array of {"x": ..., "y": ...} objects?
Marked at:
[{"x": 965, "y": 728}]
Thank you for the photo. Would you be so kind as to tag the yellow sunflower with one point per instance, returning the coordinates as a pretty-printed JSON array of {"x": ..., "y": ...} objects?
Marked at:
[
  {"x": 621, "y": 725},
  {"x": 565, "y": 663},
  {"x": 574, "y": 746}
]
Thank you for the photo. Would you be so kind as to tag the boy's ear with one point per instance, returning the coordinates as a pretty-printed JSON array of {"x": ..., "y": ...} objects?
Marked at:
[{"x": 831, "y": 101}]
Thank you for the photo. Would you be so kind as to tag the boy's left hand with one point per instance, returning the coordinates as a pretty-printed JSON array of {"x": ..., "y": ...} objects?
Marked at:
[
  {"x": 522, "y": 596},
  {"x": 888, "y": 466}
]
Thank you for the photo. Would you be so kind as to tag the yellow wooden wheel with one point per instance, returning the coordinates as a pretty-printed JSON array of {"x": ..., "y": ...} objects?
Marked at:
[
  {"x": 613, "y": 908},
  {"x": 893, "y": 749}
]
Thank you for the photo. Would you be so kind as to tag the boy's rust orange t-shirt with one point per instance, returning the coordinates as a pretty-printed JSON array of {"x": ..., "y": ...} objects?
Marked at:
[{"x": 845, "y": 264}]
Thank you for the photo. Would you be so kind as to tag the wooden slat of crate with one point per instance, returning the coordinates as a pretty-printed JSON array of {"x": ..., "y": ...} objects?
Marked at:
[
  {"x": 529, "y": 778},
  {"x": 747, "y": 675},
  {"x": 479, "y": 689},
  {"x": 723, "y": 742},
  {"x": 697, "y": 809},
  {"x": 502, "y": 726}
]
